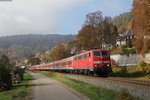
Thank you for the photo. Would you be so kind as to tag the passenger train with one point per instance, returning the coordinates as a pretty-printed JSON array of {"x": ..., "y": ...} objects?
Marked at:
[{"x": 91, "y": 62}]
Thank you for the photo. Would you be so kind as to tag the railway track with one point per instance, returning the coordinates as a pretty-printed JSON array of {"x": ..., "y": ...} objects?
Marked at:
[
  {"x": 116, "y": 79},
  {"x": 129, "y": 81}
]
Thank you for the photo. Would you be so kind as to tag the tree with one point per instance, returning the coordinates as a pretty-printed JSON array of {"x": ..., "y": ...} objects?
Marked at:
[
  {"x": 58, "y": 52},
  {"x": 5, "y": 70},
  {"x": 141, "y": 25},
  {"x": 89, "y": 37},
  {"x": 73, "y": 47},
  {"x": 109, "y": 31},
  {"x": 33, "y": 60},
  {"x": 94, "y": 18},
  {"x": 96, "y": 32},
  {"x": 123, "y": 22},
  {"x": 5, "y": 59}
]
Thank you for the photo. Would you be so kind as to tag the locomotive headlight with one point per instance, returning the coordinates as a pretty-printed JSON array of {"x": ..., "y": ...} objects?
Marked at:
[
  {"x": 107, "y": 64},
  {"x": 95, "y": 65}
]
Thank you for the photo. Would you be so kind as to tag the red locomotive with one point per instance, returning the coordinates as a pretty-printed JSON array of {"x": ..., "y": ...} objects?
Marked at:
[{"x": 90, "y": 62}]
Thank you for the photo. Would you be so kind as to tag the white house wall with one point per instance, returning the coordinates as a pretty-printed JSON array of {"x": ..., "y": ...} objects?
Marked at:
[{"x": 133, "y": 59}]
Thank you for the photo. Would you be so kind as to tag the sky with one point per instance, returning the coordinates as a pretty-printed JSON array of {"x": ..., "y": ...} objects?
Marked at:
[{"x": 53, "y": 16}]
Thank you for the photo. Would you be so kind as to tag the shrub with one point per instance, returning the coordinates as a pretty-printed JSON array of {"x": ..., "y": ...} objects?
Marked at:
[
  {"x": 17, "y": 75},
  {"x": 116, "y": 50},
  {"x": 143, "y": 67},
  {"x": 5, "y": 76},
  {"x": 116, "y": 69},
  {"x": 22, "y": 93},
  {"x": 124, "y": 50},
  {"x": 124, "y": 95},
  {"x": 124, "y": 69},
  {"x": 148, "y": 68}
]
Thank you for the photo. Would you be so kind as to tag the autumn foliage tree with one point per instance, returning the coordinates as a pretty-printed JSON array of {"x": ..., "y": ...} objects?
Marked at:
[
  {"x": 58, "y": 52},
  {"x": 33, "y": 60},
  {"x": 96, "y": 31},
  {"x": 124, "y": 22},
  {"x": 141, "y": 25}
]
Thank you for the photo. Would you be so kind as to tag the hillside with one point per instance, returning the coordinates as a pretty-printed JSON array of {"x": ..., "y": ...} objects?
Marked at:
[
  {"x": 124, "y": 21},
  {"x": 19, "y": 46}
]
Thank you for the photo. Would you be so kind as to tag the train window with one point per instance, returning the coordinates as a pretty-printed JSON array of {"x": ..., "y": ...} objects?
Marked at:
[
  {"x": 69, "y": 63},
  {"x": 52, "y": 65},
  {"x": 59, "y": 65},
  {"x": 79, "y": 57},
  {"x": 97, "y": 53},
  {"x": 84, "y": 56},
  {"x": 105, "y": 53},
  {"x": 64, "y": 63},
  {"x": 101, "y": 53},
  {"x": 75, "y": 58}
]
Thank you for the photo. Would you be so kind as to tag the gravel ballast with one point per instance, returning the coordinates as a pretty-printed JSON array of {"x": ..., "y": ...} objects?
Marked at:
[{"x": 143, "y": 92}]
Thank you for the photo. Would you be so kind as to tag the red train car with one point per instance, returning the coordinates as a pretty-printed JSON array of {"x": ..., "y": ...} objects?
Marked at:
[{"x": 90, "y": 62}]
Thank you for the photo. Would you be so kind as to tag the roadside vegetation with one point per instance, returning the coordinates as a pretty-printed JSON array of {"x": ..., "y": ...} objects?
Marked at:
[
  {"x": 140, "y": 71},
  {"x": 19, "y": 91},
  {"x": 92, "y": 91},
  {"x": 9, "y": 74}
]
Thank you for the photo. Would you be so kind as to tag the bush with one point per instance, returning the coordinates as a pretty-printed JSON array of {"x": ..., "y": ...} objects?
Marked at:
[
  {"x": 124, "y": 69},
  {"x": 124, "y": 95},
  {"x": 116, "y": 69},
  {"x": 127, "y": 51},
  {"x": 116, "y": 50},
  {"x": 5, "y": 76},
  {"x": 148, "y": 68},
  {"x": 143, "y": 67},
  {"x": 17, "y": 75},
  {"x": 124, "y": 50}
]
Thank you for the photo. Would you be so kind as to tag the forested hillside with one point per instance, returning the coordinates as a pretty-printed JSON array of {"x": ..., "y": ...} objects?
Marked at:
[
  {"x": 24, "y": 45},
  {"x": 124, "y": 21}
]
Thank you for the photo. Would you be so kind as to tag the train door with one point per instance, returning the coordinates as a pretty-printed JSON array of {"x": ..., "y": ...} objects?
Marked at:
[{"x": 88, "y": 59}]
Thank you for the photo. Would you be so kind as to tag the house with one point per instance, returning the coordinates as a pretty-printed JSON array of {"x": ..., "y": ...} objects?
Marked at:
[{"x": 125, "y": 38}]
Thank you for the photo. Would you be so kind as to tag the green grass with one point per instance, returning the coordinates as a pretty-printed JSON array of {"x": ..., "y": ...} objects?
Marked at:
[
  {"x": 21, "y": 91},
  {"x": 92, "y": 91}
]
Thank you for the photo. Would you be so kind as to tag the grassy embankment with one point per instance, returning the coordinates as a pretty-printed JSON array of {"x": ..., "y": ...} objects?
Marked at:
[
  {"x": 136, "y": 72},
  {"x": 20, "y": 91},
  {"x": 140, "y": 71},
  {"x": 92, "y": 91}
]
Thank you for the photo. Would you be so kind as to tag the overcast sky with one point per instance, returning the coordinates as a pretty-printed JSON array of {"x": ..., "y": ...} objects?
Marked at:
[{"x": 53, "y": 16}]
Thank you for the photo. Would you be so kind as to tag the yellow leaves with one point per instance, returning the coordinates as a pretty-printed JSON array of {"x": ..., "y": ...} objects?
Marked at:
[{"x": 143, "y": 67}]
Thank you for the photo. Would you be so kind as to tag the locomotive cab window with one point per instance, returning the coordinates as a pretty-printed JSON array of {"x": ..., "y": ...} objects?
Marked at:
[
  {"x": 101, "y": 53},
  {"x": 105, "y": 53}
]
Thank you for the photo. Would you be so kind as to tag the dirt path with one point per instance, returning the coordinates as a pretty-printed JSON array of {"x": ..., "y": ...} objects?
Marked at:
[{"x": 46, "y": 88}]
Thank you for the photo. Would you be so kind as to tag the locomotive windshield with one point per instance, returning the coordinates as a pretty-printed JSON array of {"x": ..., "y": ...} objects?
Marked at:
[{"x": 101, "y": 53}]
